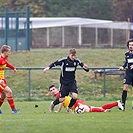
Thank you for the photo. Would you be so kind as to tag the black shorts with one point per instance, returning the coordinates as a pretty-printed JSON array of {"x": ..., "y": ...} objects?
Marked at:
[
  {"x": 65, "y": 89},
  {"x": 128, "y": 79}
]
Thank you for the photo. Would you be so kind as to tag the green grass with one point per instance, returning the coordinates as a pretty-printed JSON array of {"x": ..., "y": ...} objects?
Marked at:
[{"x": 40, "y": 120}]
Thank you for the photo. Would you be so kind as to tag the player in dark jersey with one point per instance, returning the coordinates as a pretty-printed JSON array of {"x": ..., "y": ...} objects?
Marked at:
[
  {"x": 67, "y": 78},
  {"x": 128, "y": 79}
]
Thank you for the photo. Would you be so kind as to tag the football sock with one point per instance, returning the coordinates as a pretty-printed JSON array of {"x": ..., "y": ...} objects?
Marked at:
[
  {"x": 56, "y": 101},
  {"x": 97, "y": 109},
  {"x": 1, "y": 102},
  {"x": 11, "y": 102},
  {"x": 110, "y": 105},
  {"x": 72, "y": 102},
  {"x": 124, "y": 96}
]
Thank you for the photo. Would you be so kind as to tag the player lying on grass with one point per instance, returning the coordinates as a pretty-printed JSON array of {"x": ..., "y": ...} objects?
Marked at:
[{"x": 87, "y": 108}]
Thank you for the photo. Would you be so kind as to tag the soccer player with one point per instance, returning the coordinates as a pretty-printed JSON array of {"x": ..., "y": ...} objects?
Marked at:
[
  {"x": 5, "y": 91},
  {"x": 128, "y": 79},
  {"x": 87, "y": 108},
  {"x": 67, "y": 77}
]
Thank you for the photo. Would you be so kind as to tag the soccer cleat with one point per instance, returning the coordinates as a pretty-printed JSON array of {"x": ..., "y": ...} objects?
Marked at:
[
  {"x": 1, "y": 112},
  {"x": 15, "y": 112},
  {"x": 51, "y": 107},
  {"x": 69, "y": 110},
  {"x": 121, "y": 107},
  {"x": 107, "y": 110}
]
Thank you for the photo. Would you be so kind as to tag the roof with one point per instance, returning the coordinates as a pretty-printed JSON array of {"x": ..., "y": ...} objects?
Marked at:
[{"x": 44, "y": 22}]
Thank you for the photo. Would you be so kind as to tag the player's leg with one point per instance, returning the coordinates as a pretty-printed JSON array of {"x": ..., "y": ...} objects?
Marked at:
[
  {"x": 73, "y": 100},
  {"x": 63, "y": 92},
  {"x": 8, "y": 93},
  {"x": 2, "y": 97},
  {"x": 127, "y": 81},
  {"x": 55, "y": 102},
  {"x": 124, "y": 94},
  {"x": 74, "y": 92},
  {"x": 97, "y": 109},
  {"x": 113, "y": 104}
]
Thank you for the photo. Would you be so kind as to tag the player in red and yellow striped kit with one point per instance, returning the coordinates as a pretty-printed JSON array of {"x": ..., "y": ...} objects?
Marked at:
[
  {"x": 5, "y": 91},
  {"x": 87, "y": 108}
]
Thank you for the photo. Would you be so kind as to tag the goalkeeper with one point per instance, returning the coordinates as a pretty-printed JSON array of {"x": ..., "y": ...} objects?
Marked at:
[{"x": 87, "y": 108}]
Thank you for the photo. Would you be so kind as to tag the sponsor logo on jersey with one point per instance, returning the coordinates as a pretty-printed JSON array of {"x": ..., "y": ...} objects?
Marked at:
[
  {"x": 130, "y": 60},
  {"x": 74, "y": 63},
  {"x": 69, "y": 69}
]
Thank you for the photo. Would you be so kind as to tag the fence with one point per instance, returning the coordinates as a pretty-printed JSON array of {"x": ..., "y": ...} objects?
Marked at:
[
  {"x": 105, "y": 72},
  {"x": 11, "y": 31},
  {"x": 73, "y": 36}
]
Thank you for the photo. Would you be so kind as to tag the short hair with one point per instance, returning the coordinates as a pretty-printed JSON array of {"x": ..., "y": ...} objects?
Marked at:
[
  {"x": 5, "y": 48},
  {"x": 72, "y": 51},
  {"x": 130, "y": 40},
  {"x": 51, "y": 86}
]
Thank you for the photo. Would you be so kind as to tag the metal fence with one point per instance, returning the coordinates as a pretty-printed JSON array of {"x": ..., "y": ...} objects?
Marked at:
[
  {"x": 37, "y": 87},
  {"x": 71, "y": 36},
  {"x": 10, "y": 31}
]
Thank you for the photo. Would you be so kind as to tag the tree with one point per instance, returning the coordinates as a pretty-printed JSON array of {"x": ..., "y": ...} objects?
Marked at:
[
  {"x": 123, "y": 9},
  {"x": 100, "y": 9},
  {"x": 36, "y": 6}
]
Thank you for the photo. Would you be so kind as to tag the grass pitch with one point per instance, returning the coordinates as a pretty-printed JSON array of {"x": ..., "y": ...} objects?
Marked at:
[{"x": 40, "y": 120}]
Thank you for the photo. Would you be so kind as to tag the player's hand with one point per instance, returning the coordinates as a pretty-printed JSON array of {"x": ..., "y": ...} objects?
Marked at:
[
  {"x": 131, "y": 66},
  {"x": 85, "y": 67},
  {"x": 15, "y": 70},
  {"x": 1, "y": 81},
  {"x": 121, "y": 68},
  {"x": 46, "y": 69}
]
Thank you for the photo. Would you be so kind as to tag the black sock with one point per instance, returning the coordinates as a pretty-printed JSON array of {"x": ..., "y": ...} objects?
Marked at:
[
  {"x": 72, "y": 102},
  {"x": 124, "y": 96},
  {"x": 56, "y": 101}
]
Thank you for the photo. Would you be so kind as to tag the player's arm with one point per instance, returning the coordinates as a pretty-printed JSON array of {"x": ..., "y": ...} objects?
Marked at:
[
  {"x": 11, "y": 67},
  {"x": 84, "y": 66},
  {"x": 56, "y": 63},
  {"x": 60, "y": 107},
  {"x": 124, "y": 65}
]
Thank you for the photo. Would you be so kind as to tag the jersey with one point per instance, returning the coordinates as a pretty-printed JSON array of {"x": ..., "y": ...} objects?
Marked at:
[
  {"x": 68, "y": 69},
  {"x": 78, "y": 103},
  {"x": 128, "y": 60},
  {"x": 3, "y": 65},
  {"x": 57, "y": 95},
  {"x": 128, "y": 79}
]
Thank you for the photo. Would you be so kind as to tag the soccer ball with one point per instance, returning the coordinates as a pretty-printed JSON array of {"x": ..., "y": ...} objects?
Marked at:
[{"x": 79, "y": 110}]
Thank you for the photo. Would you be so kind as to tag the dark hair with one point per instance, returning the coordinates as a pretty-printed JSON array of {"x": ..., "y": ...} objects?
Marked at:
[
  {"x": 51, "y": 86},
  {"x": 130, "y": 40}
]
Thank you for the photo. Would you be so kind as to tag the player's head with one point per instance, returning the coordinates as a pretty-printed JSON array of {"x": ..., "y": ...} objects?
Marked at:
[
  {"x": 53, "y": 90},
  {"x": 6, "y": 50},
  {"x": 130, "y": 44},
  {"x": 72, "y": 53}
]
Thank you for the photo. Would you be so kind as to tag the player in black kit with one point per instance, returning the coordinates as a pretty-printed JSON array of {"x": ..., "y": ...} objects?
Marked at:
[
  {"x": 128, "y": 79},
  {"x": 67, "y": 78}
]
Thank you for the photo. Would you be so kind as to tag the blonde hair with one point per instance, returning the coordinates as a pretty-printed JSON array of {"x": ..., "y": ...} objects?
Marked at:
[{"x": 5, "y": 48}]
